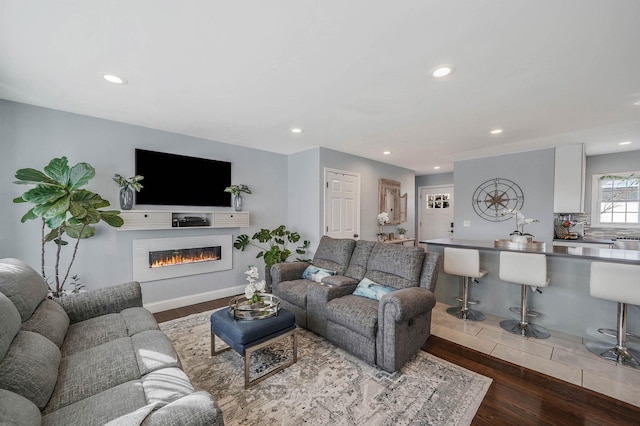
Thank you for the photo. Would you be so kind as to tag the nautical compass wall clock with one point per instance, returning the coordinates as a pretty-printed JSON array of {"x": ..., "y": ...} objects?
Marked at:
[{"x": 495, "y": 195}]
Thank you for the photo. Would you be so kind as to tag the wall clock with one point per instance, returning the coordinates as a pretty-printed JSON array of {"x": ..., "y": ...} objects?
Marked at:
[{"x": 495, "y": 195}]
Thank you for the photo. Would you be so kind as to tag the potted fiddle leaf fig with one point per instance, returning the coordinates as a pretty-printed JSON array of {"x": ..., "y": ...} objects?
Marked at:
[
  {"x": 274, "y": 246},
  {"x": 65, "y": 209}
]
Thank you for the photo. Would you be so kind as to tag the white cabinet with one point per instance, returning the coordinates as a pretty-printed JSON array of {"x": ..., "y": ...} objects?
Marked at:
[
  {"x": 161, "y": 219},
  {"x": 568, "y": 188}
]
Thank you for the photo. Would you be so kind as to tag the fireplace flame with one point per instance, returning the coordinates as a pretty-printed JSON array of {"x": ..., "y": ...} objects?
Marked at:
[{"x": 181, "y": 259}]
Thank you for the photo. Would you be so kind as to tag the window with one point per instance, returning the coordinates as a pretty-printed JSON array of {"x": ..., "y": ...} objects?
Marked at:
[{"x": 616, "y": 199}]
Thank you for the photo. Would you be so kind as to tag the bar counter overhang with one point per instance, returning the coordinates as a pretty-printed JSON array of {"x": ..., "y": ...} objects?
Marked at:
[{"x": 566, "y": 304}]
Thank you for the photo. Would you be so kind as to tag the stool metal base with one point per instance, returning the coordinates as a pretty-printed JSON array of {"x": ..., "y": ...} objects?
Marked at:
[
  {"x": 619, "y": 355},
  {"x": 466, "y": 314},
  {"x": 527, "y": 330},
  {"x": 610, "y": 332}
]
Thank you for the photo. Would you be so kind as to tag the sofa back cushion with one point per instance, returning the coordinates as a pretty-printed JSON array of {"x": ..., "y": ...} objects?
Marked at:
[
  {"x": 30, "y": 367},
  {"x": 22, "y": 285},
  {"x": 334, "y": 254},
  {"x": 430, "y": 270},
  {"x": 49, "y": 320},
  {"x": 395, "y": 265},
  {"x": 359, "y": 258},
  {"x": 9, "y": 324}
]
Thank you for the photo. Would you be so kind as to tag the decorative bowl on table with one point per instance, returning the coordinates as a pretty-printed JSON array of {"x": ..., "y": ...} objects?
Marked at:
[{"x": 241, "y": 308}]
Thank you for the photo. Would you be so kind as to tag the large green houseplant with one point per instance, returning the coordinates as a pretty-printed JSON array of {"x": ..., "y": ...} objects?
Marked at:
[
  {"x": 274, "y": 246},
  {"x": 65, "y": 209}
]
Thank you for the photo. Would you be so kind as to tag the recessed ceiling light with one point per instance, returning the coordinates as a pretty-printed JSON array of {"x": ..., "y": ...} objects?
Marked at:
[
  {"x": 496, "y": 131},
  {"x": 111, "y": 78},
  {"x": 386, "y": 152},
  {"x": 625, "y": 143},
  {"x": 442, "y": 71},
  {"x": 436, "y": 167},
  {"x": 296, "y": 130}
]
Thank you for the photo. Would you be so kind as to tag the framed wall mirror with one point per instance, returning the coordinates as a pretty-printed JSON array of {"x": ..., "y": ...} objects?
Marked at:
[{"x": 392, "y": 202}]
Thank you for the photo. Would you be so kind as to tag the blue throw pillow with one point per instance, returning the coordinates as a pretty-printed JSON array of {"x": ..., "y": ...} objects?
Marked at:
[
  {"x": 369, "y": 289},
  {"x": 316, "y": 274}
]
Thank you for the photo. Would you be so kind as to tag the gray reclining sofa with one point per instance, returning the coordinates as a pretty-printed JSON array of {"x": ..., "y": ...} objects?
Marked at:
[
  {"x": 93, "y": 358},
  {"x": 386, "y": 333}
]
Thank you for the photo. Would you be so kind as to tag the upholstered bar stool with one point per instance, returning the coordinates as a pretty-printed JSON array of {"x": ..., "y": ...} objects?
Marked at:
[
  {"x": 466, "y": 264},
  {"x": 619, "y": 283},
  {"x": 524, "y": 269}
]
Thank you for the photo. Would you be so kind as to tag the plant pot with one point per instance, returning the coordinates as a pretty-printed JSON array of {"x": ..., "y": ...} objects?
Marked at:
[{"x": 126, "y": 198}]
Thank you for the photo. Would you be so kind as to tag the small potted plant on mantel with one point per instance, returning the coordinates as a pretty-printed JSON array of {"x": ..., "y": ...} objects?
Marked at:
[
  {"x": 236, "y": 191},
  {"x": 401, "y": 231}
]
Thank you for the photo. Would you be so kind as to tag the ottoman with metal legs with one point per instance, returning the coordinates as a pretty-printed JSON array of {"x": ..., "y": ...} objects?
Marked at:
[{"x": 246, "y": 337}]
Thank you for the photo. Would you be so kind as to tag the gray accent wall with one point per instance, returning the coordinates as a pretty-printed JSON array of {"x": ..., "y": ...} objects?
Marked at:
[
  {"x": 533, "y": 171},
  {"x": 31, "y": 136}
]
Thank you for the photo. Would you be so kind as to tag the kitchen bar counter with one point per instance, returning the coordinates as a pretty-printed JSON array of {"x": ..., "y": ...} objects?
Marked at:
[
  {"x": 592, "y": 253},
  {"x": 566, "y": 304}
]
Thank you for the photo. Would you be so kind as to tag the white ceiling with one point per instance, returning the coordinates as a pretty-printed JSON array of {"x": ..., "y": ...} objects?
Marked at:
[{"x": 352, "y": 73}]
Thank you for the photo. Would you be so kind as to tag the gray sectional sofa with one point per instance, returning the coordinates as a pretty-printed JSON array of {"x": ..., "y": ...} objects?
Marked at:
[
  {"x": 385, "y": 332},
  {"x": 89, "y": 359}
]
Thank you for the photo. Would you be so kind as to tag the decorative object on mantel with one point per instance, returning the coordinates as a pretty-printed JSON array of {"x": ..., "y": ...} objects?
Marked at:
[
  {"x": 383, "y": 218},
  {"x": 127, "y": 186},
  {"x": 493, "y": 195},
  {"x": 401, "y": 231},
  {"x": 65, "y": 208},
  {"x": 236, "y": 191},
  {"x": 276, "y": 251},
  {"x": 519, "y": 236}
]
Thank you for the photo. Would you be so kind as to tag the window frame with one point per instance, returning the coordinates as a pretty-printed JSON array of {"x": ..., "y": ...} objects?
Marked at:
[{"x": 595, "y": 200}]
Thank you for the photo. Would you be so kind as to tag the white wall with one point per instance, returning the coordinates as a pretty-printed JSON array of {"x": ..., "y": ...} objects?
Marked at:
[{"x": 32, "y": 136}]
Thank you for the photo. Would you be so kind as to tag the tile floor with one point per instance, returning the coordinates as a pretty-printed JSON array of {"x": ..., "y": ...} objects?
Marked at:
[{"x": 561, "y": 356}]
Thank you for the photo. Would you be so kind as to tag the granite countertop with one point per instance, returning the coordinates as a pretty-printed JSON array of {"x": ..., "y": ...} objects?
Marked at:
[{"x": 603, "y": 254}]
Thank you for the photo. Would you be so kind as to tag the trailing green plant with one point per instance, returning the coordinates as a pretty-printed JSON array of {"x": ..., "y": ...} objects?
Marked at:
[
  {"x": 64, "y": 208},
  {"x": 133, "y": 182},
  {"x": 275, "y": 245}
]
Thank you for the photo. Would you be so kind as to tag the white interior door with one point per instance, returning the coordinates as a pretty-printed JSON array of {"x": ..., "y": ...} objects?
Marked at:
[
  {"x": 436, "y": 212},
  {"x": 342, "y": 204}
]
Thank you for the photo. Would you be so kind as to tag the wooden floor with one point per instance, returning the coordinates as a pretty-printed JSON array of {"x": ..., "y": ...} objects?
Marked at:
[{"x": 517, "y": 396}]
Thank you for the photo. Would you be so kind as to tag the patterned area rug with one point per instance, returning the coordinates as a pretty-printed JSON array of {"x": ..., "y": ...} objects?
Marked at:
[{"x": 327, "y": 385}]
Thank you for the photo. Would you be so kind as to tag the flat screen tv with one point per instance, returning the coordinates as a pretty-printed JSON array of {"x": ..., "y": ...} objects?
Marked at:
[{"x": 179, "y": 180}]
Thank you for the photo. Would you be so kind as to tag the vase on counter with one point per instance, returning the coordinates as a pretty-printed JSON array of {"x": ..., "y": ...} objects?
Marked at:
[
  {"x": 237, "y": 202},
  {"x": 126, "y": 198}
]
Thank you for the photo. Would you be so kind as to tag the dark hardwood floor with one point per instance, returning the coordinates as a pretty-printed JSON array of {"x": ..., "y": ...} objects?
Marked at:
[{"x": 517, "y": 396}]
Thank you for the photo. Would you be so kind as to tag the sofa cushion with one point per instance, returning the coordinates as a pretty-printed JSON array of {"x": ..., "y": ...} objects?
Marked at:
[
  {"x": 137, "y": 320},
  {"x": 294, "y": 292},
  {"x": 369, "y": 289},
  {"x": 154, "y": 351},
  {"x": 156, "y": 390},
  {"x": 18, "y": 410},
  {"x": 100, "y": 408},
  {"x": 49, "y": 320},
  {"x": 30, "y": 367},
  {"x": 315, "y": 273},
  {"x": 92, "y": 371},
  {"x": 22, "y": 285},
  {"x": 10, "y": 322},
  {"x": 395, "y": 265},
  {"x": 334, "y": 253},
  {"x": 93, "y": 332},
  {"x": 356, "y": 313},
  {"x": 359, "y": 258}
]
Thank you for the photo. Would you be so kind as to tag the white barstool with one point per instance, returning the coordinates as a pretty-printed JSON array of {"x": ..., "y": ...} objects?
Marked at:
[
  {"x": 619, "y": 283},
  {"x": 466, "y": 264},
  {"x": 525, "y": 269}
]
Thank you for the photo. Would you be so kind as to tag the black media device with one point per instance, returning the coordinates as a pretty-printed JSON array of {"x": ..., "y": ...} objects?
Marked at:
[{"x": 179, "y": 180}]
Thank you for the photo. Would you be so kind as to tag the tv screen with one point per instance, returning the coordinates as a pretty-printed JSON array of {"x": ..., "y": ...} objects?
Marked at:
[{"x": 178, "y": 180}]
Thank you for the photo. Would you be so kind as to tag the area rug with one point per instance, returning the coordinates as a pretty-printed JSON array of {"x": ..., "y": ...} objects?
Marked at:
[{"x": 327, "y": 385}]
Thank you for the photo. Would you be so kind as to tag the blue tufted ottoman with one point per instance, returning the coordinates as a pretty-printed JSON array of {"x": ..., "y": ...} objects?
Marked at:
[{"x": 246, "y": 337}]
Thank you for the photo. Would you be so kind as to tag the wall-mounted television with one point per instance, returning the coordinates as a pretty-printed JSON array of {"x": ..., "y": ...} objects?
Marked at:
[{"x": 179, "y": 180}]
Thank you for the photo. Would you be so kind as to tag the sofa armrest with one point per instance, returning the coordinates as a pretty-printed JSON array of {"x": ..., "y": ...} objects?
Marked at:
[
  {"x": 197, "y": 409},
  {"x": 406, "y": 303},
  {"x": 339, "y": 281},
  {"x": 95, "y": 303},
  {"x": 288, "y": 271}
]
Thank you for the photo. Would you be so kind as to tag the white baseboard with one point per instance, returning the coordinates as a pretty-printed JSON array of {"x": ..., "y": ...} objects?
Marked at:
[{"x": 178, "y": 302}]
